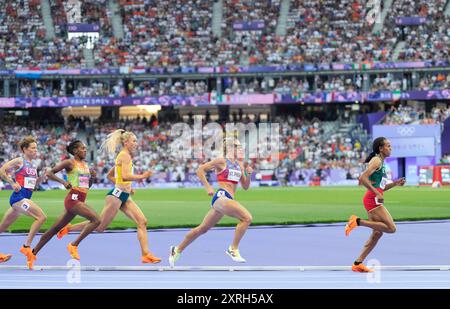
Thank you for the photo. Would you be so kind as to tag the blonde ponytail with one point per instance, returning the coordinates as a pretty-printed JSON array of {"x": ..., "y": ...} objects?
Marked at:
[
  {"x": 114, "y": 140},
  {"x": 229, "y": 139}
]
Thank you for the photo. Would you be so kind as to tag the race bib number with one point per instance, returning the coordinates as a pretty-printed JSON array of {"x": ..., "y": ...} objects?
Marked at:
[
  {"x": 25, "y": 206},
  {"x": 117, "y": 192},
  {"x": 83, "y": 181},
  {"x": 377, "y": 202},
  {"x": 384, "y": 182},
  {"x": 29, "y": 183},
  {"x": 74, "y": 197},
  {"x": 234, "y": 175}
]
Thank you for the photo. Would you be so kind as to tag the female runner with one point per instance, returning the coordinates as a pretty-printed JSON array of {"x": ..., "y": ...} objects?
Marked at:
[
  {"x": 79, "y": 180},
  {"x": 229, "y": 171},
  {"x": 380, "y": 220},
  {"x": 24, "y": 182}
]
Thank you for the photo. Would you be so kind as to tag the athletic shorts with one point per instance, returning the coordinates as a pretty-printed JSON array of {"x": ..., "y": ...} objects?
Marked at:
[
  {"x": 369, "y": 200},
  {"x": 220, "y": 193},
  {"x": 73, "y": 197},
  {"x": 121, "y": 195},
  {"x": 18, "y": 196}
]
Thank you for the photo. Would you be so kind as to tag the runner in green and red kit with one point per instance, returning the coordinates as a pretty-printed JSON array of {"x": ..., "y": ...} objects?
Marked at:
[{"x": 375, "y": 180}]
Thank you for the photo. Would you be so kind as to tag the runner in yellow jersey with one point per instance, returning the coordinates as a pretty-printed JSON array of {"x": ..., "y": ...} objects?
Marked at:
[{"x": 119, "y": 197}]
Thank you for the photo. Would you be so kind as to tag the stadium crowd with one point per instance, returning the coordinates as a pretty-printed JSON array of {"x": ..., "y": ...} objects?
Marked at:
[
  {"x": 230, "y": 85},
  {"x": 410, "y": 114},
  {"x": 178, "y": 33}
]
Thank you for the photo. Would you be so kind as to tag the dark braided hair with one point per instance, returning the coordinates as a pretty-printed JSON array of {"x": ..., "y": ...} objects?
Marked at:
[
  {"x": 377, "y": 143},
  {"x": 72, "y": 146}
]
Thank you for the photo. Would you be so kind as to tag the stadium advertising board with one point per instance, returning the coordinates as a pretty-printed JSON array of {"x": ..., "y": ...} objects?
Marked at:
[
  {"x": 249, "y": 25},
  {"x": 411, "y": 140},
  {"x": 83, "y": 28}
]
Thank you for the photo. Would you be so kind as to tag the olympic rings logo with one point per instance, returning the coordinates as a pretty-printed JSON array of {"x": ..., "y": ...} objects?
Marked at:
[{"x": 406, "y": 130}]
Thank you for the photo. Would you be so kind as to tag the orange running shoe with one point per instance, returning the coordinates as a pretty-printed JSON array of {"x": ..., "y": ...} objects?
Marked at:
[
  {"x": 30, "y": 256},
  {"x": 361, "y": 268},
  {"x": 64, "y": 231},
  {"x": 30, "y": 260},
  {"x": 73, "y": 250},
  {"x": 351, "y": 224},
  {"x": 150, "y": 258},
  {"x": 26, "y": 251},
  {"x": 4, "y": 257}
]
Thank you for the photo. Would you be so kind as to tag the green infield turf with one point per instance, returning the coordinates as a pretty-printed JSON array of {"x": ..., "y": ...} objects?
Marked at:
[{"x": 187, "y": 207}]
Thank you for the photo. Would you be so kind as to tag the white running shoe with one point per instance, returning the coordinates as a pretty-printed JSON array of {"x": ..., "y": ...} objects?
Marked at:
[
  {"x": 235, "y": 255},
  {"x": 174, "y": 255}
]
